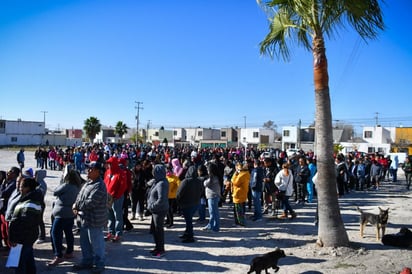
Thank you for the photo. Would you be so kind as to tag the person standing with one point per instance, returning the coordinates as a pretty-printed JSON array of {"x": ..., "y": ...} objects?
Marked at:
[
  {"x": 407, "y": 168},
  {"x": 116, "y": 187},
  {"x": 284, "y": 182},
  {"x": 91, "y": 206},
  {"x": 21, "y": 159},
  {"x": 63, "y": 216},
  {"x": 188, "y": 197},
  {"x": 39, "y": 176},
  {"x": 309, "y": 185},
  {"x": 173, "y": 185},
  {"x": 393, "y": 168},
  {"x": 138, "y": 194},
  {"x": 302, "y": 178},
  {"x": 240, "y": 188},
  {"x": 26, "y": 215},
  {"x": 212, "y": 192},
  {"x": 158, "y": 205},
  {"x": 256, "y": 185},
  {"x": 271, "y": 169},
  {"x": 8, "y": 191}
]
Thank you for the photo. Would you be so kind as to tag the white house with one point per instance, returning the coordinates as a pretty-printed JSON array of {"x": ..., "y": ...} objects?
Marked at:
[
  {"x": 17, "y": 133},
  {"x": 257, "y": 136}
]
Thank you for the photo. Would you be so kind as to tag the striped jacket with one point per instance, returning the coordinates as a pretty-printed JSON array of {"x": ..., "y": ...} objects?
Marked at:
[{"x": 91, "y": 203}]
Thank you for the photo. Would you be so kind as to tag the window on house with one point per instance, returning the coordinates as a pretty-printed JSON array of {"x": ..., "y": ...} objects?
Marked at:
[
  {"x": 174, "y": 132},
  {"x": 200, "y": 133},
  {"x": 286, "y": 133},
  {"x": 255, "y": 134},
  {"x": 14, "y": 139},
  {"x": 156, "y": 133},
  {"x": 367, "y": 134},
  {"x": 223, "y": 134}
]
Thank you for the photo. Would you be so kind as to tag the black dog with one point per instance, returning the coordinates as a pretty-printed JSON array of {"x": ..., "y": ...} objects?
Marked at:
[
  {"x": 401, "y": 239},
  {"x": 379, "y": 221},
  {"x": 268, "y": 260}
]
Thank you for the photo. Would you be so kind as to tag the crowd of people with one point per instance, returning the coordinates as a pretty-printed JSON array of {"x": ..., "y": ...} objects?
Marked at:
[{"x": 161, "y": 183}]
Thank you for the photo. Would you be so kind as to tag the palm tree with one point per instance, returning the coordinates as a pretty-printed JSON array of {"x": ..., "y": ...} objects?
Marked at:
[
  {"x": 307, "y": 22},
  {"x": 121, "y": 129},
  {"x": 92, "y": 126}
]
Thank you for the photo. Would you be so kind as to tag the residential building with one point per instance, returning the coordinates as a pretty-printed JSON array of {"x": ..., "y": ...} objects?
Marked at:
[{"x": 21, "y": 133}]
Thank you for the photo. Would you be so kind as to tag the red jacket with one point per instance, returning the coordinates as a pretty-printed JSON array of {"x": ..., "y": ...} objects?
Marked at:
[{"x": 115, "y": 179}]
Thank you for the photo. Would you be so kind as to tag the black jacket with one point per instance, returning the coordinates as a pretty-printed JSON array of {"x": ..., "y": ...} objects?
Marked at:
[{"x": 23, "y": 228}]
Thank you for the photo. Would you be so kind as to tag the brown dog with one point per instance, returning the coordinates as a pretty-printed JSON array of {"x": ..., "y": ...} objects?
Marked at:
[
  {"x": 378, "y": 220},
  {"x": 268, "y": 260}
]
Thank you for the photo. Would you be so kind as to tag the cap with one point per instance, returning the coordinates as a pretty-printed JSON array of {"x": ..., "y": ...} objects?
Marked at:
[
  {"x": 28, "y": 173},
  {"x": 95, "y": 164}
]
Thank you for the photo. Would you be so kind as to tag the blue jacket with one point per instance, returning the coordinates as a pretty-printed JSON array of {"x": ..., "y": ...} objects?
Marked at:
[{"x": 256, "y": 179}]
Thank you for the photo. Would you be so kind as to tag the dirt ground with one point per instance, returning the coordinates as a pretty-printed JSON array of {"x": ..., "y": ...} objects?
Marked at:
[{"x": 232, "y": 249}]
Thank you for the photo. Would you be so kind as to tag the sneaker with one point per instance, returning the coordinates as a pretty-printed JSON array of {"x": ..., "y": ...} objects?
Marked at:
[
  {"x": 206, "y": 228},
  {"x": 158, "y": 254},
  {"x": 293, "y": 215},
  {"x": 108, "y": 237},
  {"x": 40, "y": 241},
  {"x": 141, "y": 218},
  {"x": 55, "y": 261},
  {"x": 116, "y": 239}
]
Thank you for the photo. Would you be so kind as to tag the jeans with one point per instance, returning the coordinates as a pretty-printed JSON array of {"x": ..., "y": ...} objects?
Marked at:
[
  {"x": 115, "y": 223},
  {"x": 92, "y": 246},
  {"x": 188, "y": 216},
  {"x": 214, "y": 217},
  {"x": 257, "y": 205},
  {"x": 309, "y": 188},
  {"x": 59, "y": 226},
  {"x": 202, "y": 209},
  {"x": 27, "y": 264},
  {"x": 394, "y": 172},
  {"x": 285, "y": 205}
]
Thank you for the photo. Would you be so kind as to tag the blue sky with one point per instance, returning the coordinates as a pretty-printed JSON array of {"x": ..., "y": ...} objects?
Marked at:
[{"x": 191, "y": 63}]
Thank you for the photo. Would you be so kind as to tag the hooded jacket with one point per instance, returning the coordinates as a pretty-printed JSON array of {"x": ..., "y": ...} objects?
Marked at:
[
  {"x": 158, "y": 200},
  {"x": 115, "y": 179},
  {"x": 190, "y": 189}
]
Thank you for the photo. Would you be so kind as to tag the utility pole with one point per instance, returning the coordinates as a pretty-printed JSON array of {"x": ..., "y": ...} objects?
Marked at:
[
  {"x": 138, "y": 108},
  {"x": 44, "y": 121},
  {"x": 376, "y": 118},
  {"x": 44, "y": 117}
]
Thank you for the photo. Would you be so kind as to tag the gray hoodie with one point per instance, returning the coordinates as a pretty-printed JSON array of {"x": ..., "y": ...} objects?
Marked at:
[{"x": 158, "y": 200}]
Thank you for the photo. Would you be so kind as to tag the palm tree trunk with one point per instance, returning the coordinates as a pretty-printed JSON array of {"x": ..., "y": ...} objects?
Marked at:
[{"x": 331, "y": 230}]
